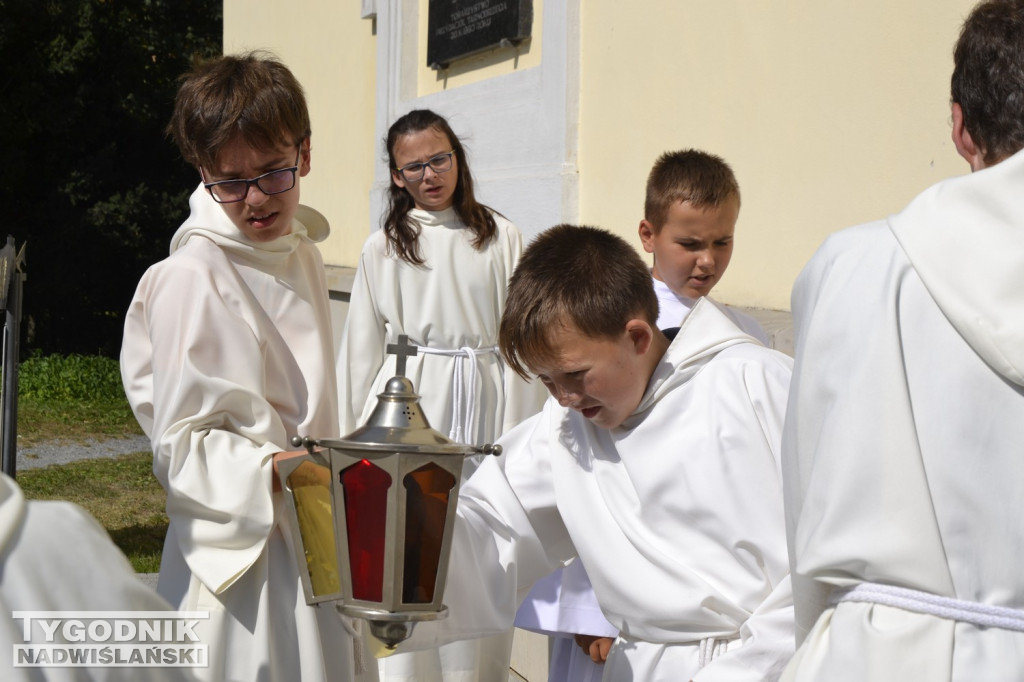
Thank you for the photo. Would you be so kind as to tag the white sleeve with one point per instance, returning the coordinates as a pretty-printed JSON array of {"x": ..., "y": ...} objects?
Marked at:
[
  {"x": 213, "y": 431},
  {"x": 508, "y": 535}
]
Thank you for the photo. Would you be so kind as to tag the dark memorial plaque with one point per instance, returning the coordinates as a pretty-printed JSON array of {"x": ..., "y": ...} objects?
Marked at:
[{"x": 460, "y": 28}]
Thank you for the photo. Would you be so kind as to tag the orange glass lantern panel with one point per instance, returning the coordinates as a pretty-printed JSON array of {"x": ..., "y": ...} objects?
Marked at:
[
  {"x": 427, "y": 491},
  {"x": 366, "y": 504}
]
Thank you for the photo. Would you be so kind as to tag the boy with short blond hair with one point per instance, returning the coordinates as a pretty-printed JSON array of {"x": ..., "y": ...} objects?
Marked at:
[
  {"x": 655, "y": 463},
  {"x": 227, "y": 354},
  {"x": 690, "y": 213}
]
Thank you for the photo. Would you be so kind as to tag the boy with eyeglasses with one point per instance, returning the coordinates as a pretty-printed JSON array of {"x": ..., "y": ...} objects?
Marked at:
[{"x": 227, "y": 354}]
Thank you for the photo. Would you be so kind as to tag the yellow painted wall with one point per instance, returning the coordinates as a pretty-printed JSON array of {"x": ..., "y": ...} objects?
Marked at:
[
  {"x": 831, "y": 113},
  {"x": 332, "y": 52}
]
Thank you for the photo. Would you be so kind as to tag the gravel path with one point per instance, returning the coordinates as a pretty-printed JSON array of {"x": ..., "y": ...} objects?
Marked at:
[{"x": 63, "y": 451}]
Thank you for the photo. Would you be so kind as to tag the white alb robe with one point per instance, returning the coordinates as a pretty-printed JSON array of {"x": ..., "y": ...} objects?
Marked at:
[
  {"x": 453, "y": 301},
  {"x": 676, "y": 515},
  {"x": 904, "y": 439},
  {"x": 227, "y": 354},
  {"x": 563, "y": 604},
  {"x": 55, "y": 557}
]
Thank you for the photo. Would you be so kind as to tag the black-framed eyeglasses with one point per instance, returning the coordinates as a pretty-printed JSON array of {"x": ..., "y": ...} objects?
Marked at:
[
  {"x": 274, "y": 182},
  {"x": 442, "y": 163}
]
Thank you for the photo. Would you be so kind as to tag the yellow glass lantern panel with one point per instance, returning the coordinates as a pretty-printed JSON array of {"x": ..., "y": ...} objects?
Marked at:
[{"x": 310, "y": 484}]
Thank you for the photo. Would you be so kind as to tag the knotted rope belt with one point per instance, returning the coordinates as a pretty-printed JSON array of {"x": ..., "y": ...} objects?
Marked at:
[
  {"x": 982, "y": 615},
  {"x": 464, "y": 396}
]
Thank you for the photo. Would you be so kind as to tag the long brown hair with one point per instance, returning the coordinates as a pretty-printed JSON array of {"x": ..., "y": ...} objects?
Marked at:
[{"x": 403, "y": 234}]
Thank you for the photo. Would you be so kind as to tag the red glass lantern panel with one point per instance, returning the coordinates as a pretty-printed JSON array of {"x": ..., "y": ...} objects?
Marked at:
[
  {"x": 366, "y": 504},
  {"x": 427, "y": 492}
]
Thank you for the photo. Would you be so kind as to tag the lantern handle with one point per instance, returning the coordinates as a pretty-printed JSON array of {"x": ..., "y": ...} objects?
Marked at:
[{"x": 305, "y": 441}]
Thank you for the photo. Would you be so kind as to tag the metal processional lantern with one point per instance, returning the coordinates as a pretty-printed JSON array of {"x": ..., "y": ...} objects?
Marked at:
[{"x": 372, "y": 514}]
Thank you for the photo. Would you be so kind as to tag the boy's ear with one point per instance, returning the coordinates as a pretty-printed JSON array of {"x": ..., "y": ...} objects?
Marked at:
[
  {"x": 647, "y": 232},
  {"x": 640, "y": 335},
  {"x": 963, "y": 141},
  {"x": 305, "y": 158}
]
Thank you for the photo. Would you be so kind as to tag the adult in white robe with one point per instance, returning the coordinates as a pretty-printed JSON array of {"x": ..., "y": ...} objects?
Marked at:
[
  {"x": 227, "y": 354},
  {"x": 563, "y": 604},
  {"x": 450, "y": 307},
  {"x": 676, "y": 516},
  {"x": 55, "y": 557},
  {"x": 903, "y": 445}
]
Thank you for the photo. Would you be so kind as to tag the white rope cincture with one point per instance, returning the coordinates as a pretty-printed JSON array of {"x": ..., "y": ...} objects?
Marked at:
[
  {"x": 464, "y": 397},
  {"x": 710, "y": 649},
  {"x": 975, "y": 613},
  {"x": 354, "y": 627}
]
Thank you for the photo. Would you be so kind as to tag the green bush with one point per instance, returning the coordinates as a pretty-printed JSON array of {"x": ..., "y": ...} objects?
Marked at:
[
  {"x": 72, "y": 397},
  {"x": 70, "y": 378}
]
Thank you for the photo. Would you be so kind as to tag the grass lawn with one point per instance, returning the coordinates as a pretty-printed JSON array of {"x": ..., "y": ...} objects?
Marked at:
[
  {"x": 121, "y": 492},
  {"x": 78, "y": 398}
]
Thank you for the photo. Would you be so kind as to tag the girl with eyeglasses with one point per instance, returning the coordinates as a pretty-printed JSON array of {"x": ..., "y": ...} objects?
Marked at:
[{"x": 437, "y": 272}]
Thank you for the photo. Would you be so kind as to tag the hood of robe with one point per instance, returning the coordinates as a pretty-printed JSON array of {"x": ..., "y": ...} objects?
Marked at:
[
  {"x": 706, "y": 330},
  {"x": 965, "y": 239},
  {"x": 12, "y": 510},
  {"x": 446, "y": 218},
  {"x": 208, "y": 219}
]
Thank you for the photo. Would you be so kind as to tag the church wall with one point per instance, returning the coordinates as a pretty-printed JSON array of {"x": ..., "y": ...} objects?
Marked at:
[
  {"x": 332, "y": 51},
  {"x": 830, "y": 113}
]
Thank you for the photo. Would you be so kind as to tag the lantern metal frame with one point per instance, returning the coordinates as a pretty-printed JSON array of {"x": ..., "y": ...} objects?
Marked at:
[{"x": 399, "y": 442}]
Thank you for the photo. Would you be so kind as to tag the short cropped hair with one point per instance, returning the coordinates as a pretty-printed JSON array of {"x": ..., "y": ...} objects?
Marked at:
[
  {"x": 578, "y": 275},
  {"x": 988, "y": 77},
  {"x": 701, "y": 179},
  {"x": 253, "y": 96}
]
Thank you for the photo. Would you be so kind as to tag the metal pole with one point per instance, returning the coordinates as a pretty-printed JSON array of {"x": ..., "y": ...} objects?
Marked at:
[
  {"x": 11, "y": 279},
  {"x": 12, "y": 347}
]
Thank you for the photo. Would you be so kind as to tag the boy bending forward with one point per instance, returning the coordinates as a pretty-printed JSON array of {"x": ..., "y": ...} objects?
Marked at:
[{"x": 655, "y": 462}]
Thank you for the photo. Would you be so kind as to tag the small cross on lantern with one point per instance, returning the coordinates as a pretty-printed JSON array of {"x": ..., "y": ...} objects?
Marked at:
[{"x": 401, "y": 350}]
